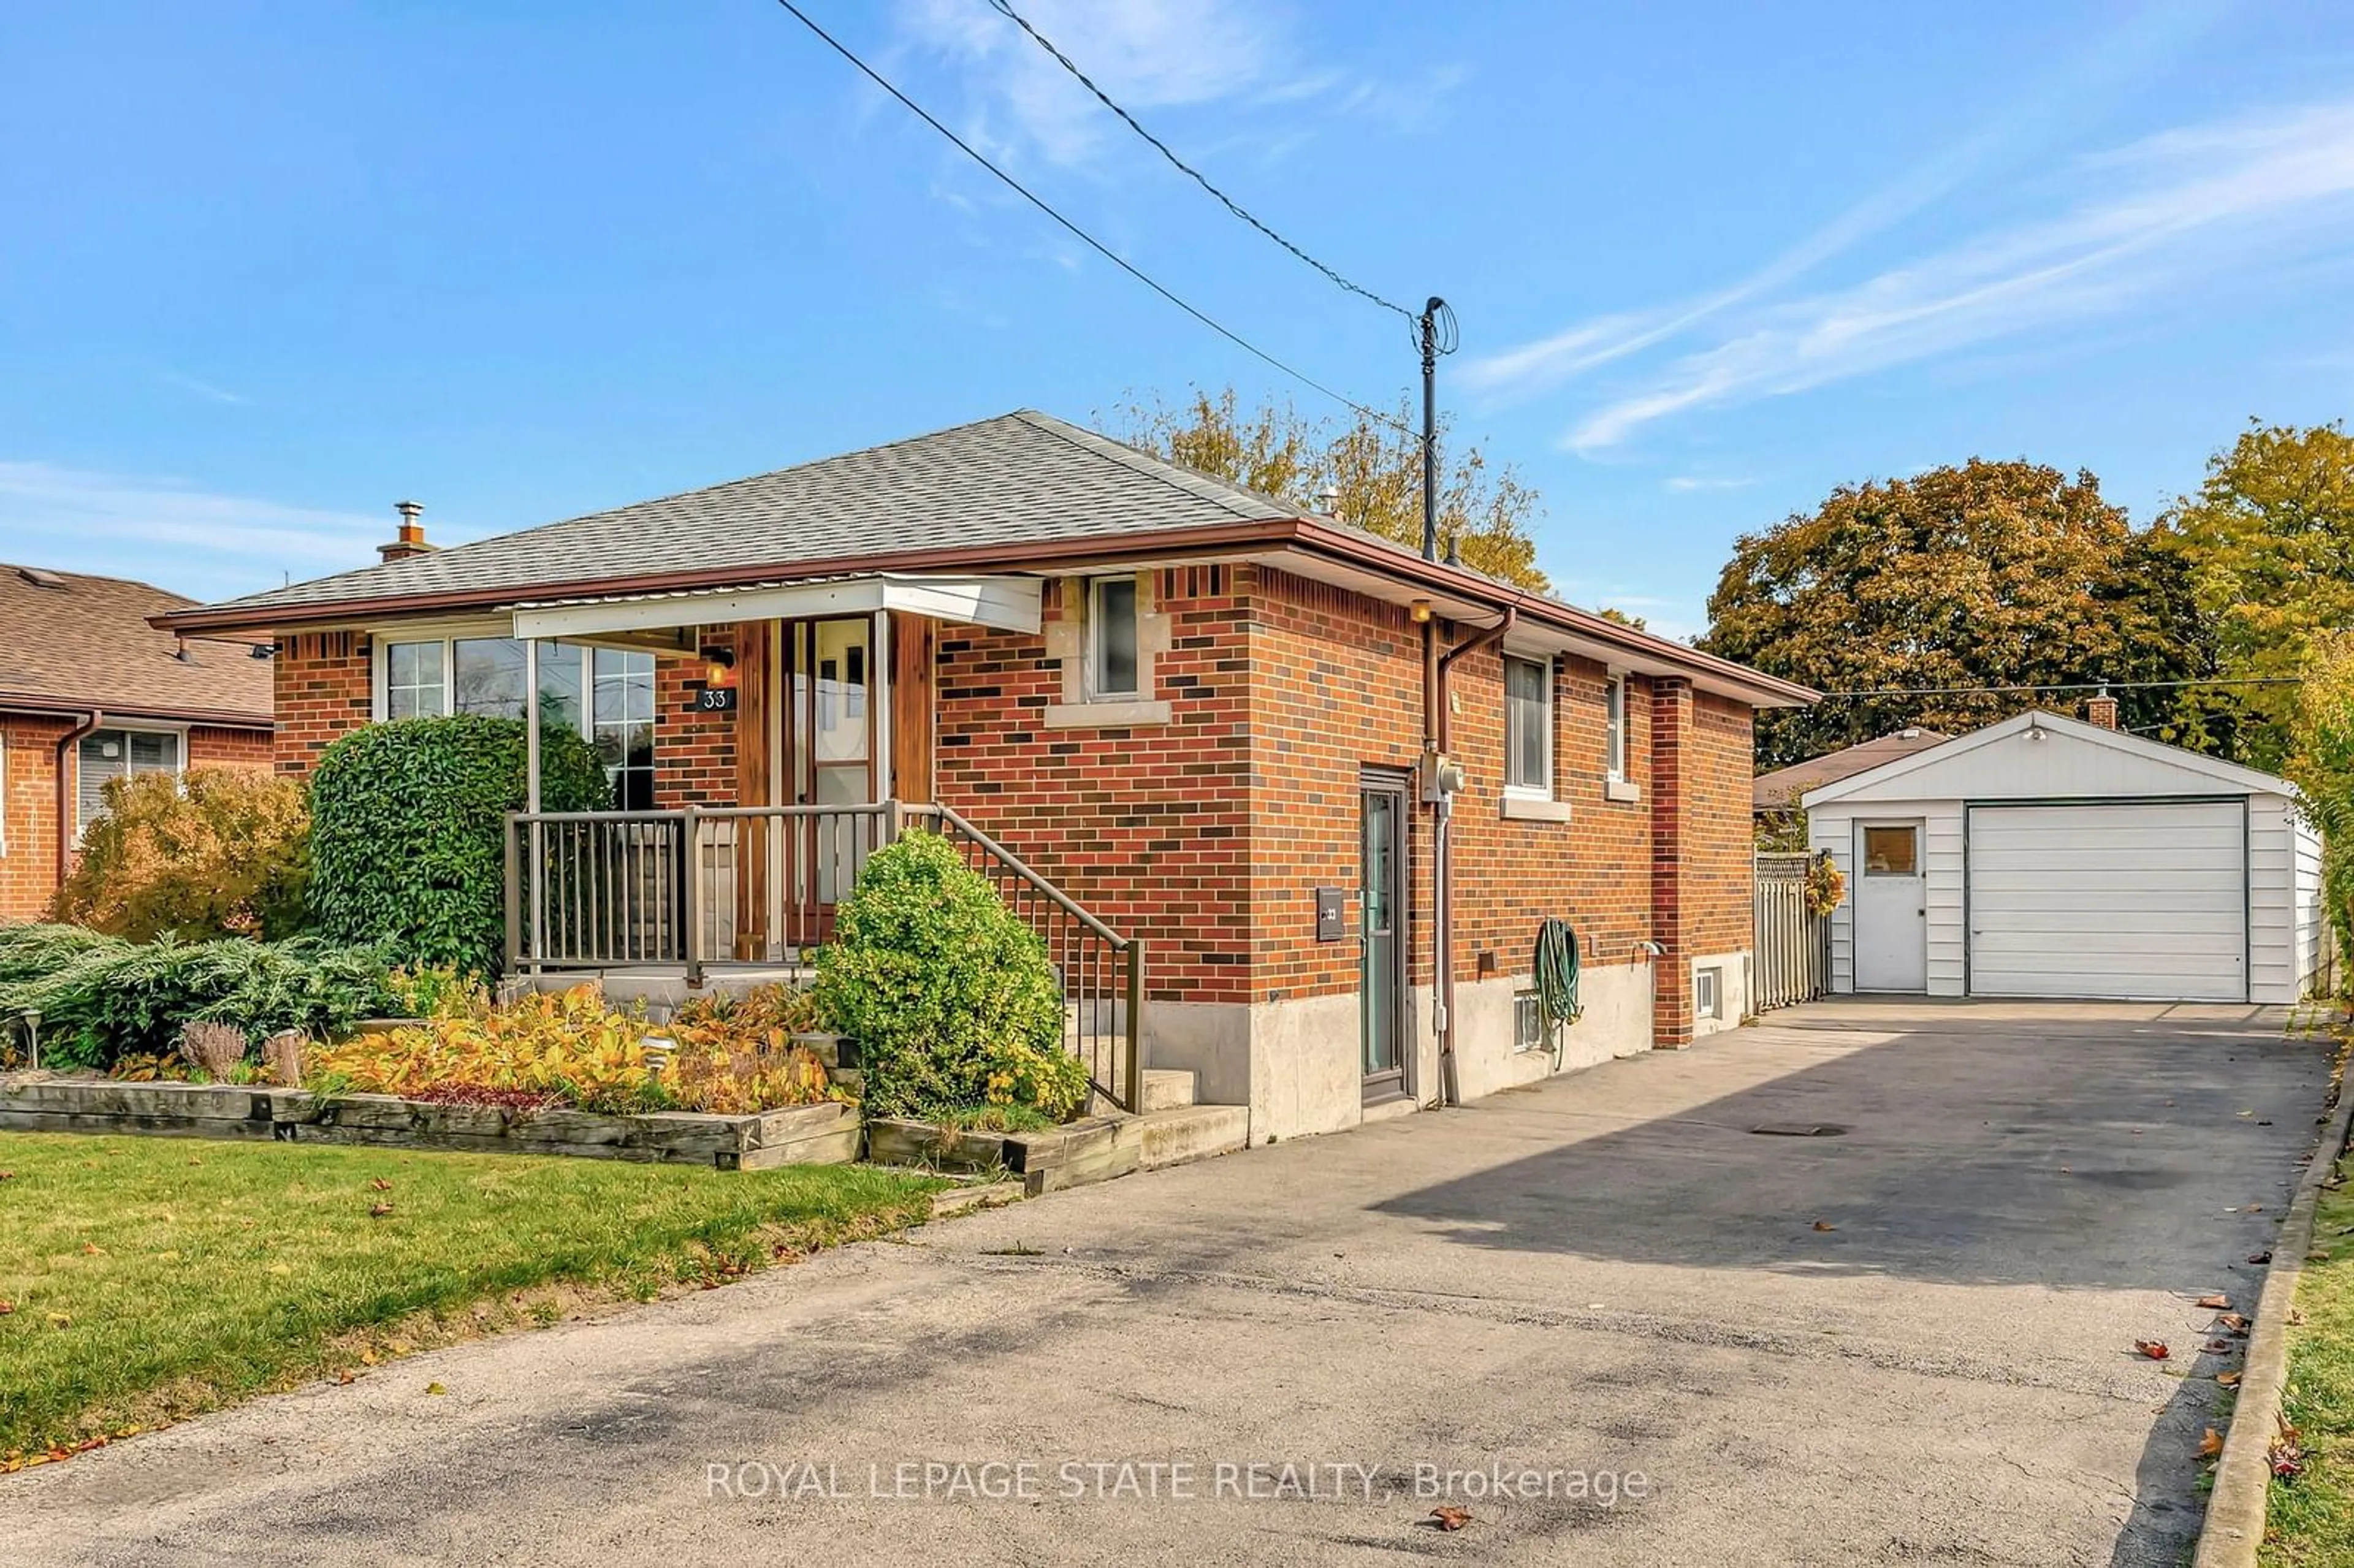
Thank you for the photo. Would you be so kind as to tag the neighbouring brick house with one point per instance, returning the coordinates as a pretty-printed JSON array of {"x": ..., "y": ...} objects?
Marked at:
[
  {"x": 1208, "y": 722},
  {"x": 89, "y": 691}
]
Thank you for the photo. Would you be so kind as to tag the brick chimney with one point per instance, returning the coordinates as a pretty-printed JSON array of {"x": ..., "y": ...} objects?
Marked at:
[
  {"x": 411, "y": 539},
  {"x": 2102, "y": 709}
]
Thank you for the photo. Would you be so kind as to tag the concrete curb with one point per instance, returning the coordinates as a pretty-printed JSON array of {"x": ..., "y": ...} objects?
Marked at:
[{"x": 2234, "y": 1527}]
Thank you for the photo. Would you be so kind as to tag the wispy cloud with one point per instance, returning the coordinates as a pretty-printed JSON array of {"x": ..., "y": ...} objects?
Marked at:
[
  {"x": 1690, "y": 482},
  {"x": 201, "y": 389},
  {"x": 1147, "y": 55},
  {"x": 2146, "y": 222},
  {"x": 171, "y": 533}
]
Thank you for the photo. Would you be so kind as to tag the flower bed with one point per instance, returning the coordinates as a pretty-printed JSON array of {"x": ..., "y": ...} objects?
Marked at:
[{"x": 824, "y": 1133}]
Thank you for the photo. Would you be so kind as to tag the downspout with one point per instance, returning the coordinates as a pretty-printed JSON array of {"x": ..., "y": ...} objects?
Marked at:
[
  {"x": 1442, "y": 860},
  {"x": 68, "y": 792}
]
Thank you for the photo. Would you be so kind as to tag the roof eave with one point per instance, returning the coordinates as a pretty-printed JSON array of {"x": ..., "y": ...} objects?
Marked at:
[
  {"x": 1751, "y": 687},
  {"x": 51, "y": 707}
]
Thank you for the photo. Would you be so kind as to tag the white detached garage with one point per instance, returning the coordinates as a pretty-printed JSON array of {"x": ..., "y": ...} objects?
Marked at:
[{"x": 2047, "y": 857}]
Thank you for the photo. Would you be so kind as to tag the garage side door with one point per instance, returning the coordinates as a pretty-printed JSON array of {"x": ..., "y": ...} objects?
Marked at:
[{"x": 2147, "y": 900}]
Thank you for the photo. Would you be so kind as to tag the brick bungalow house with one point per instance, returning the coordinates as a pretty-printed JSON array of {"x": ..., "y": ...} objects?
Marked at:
[
  {"x": 89, "y": 691},
  {"x": 1191, "y": 731}
]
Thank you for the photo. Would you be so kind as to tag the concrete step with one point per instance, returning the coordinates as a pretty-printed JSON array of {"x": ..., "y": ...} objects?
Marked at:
[
  {"x": 1167, "y": 1088},
  {"x": 1180, "y": 1133}
]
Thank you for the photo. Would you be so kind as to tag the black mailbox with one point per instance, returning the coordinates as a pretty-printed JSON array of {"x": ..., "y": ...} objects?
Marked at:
[{"x": 1332, "y": 914}]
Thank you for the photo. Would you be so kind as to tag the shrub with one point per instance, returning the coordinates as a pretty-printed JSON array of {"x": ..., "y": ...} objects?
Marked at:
[
  {"x": 218, "y": 852},
  {"x": 948, "y": 994},
  {"x": 567, "y": 1047},
  {"x": 102, "y": 998},
  {"x": 408, "y": 827},
  {"x": 735, "y": 1054}
]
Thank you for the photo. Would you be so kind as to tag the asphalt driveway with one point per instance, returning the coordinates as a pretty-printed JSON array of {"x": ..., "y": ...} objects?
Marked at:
[{"x": 1910, "y": 1340}]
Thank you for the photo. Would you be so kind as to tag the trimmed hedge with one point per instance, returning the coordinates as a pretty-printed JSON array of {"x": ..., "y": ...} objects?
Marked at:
[
  {"x": 948, "y": 994},
  {"x": 407, "y": 823}
]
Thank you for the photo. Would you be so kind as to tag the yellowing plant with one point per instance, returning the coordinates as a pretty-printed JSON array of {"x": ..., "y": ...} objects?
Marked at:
[{"x": 571, "y": 1047}]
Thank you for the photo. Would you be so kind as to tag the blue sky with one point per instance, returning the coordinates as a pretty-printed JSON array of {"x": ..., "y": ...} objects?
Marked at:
[{"x": 265, "y": 269}]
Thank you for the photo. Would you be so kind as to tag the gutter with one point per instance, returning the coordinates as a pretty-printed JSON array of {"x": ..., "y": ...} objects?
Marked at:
[{"x": 67, "y": 791}]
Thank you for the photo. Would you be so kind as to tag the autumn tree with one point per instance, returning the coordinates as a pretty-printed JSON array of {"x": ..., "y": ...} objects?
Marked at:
[
  {"x": 1374, "y": 465},
  {"x": 2319, "y": 757},
  {"x": 1991, "y": 574},
  {"x": 2269, "y": 542}
]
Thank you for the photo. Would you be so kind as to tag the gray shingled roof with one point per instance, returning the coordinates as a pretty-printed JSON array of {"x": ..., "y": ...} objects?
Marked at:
[{"x": 1020, "y": 479}]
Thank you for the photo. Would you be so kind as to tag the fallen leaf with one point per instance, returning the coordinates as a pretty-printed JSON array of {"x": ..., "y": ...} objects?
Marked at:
[
  {"x": 345, "y": 1376},
  {"x": 2214, "y": 1302},
  {"x": 2316, "y": 1256},
  {"x": 435, "y": 1388},
  {"x": 1447, "y": 1516},
  {"x": 2154, "y": 1348},
  {"x": 2211, "y": 1443},
  {"x": 2217, "y": 1347},
  {"x": 2295, "y": 1315},
  {"x": 2254, "y": 1209},
  {"x": 1820, "y": 1225},
  {"x": 2228, "y": 1379},
  {"x": 281, "y": 1270},
  {"x": 379, "y": 1210},
  {"x": 8, "y": 1175},
  {"x": 93, "y": 1249},
  {"x": 367, "y": 1357},
  {"x": 60, "y": 1320},
  {"x": 2260, "y": 1257},
  {"x": 2231, "y": 1323},
  {"x": 380, "y": 1184},
  {"x": 7, "y": 1308}
]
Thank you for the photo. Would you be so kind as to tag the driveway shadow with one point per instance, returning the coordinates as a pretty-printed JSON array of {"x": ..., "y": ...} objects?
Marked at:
[{"x": 2123, "y": 1155}]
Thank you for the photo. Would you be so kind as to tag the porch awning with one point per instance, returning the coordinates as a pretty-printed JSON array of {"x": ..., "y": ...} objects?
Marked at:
[{"x": 1007, "y": 603}]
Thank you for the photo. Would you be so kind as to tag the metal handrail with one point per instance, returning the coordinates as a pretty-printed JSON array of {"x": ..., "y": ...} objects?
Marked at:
[{"x": 1021, "y": 868}]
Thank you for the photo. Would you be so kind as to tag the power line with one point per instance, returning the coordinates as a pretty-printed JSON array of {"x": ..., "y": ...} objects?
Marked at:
[
  {"x": 1082, "y": 235},
  {"x": 1188, "y": 169},
  {"x": 2068, "y": 686}
]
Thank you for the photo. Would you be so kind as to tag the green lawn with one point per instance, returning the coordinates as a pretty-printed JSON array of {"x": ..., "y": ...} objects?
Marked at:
[
  {"x": 148, "y": 1278},
  {"x": 2309, "y": 1522}
]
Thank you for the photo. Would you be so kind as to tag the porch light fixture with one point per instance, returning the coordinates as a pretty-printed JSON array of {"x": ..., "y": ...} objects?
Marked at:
[
  {"x": 719, "y": 669},
  {"x": 1418, "y": 612}
]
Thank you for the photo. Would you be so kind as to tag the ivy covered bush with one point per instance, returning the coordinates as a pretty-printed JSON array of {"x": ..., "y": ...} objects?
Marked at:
[
  {"x": 216, "y": 852},
  {"x": 408, "y": 825},
  {"x": 950, "y": 995},
  {"x": 102, "y": 998}
]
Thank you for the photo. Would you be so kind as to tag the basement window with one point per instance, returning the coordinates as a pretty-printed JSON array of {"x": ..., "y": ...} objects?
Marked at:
[
  {"x": 1708, "y": 993},
  {"x": 1527, "y": 1021}
]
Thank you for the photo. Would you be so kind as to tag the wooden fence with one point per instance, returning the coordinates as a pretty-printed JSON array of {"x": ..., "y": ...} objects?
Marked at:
[{"x": 1792, "y": 943}]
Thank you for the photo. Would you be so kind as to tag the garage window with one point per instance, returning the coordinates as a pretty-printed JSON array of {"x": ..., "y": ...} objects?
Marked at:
[{"x": 1891, "y": 852}]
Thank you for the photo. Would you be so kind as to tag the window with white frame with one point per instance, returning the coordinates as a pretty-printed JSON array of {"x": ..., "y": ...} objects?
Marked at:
[
  {"x": 607, "y": 695},
  {"x": 1614, "y": 728},
  {"x": 106, "y": 755},
  {"x": 1528, "y": 727},
  {"x": 1708, "y": 993},
  {"x": 1112, "y": 647}
]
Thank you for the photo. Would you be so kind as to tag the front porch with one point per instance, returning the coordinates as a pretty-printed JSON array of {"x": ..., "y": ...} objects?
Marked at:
[{"x": 709, "y": 894}]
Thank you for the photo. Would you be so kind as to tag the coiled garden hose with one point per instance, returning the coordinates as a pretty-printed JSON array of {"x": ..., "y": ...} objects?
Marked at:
[{"x": 1556, "y": 973}]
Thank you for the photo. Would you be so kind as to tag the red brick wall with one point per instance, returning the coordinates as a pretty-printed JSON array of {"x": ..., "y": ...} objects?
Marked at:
[
  {"x": 1147, "y": 828},
  {"x": 321, "y": 682},
  {"x": 28, "y": 800},
  {"x": 1719, "y": 868},
  {"x": 694, "y": 753},
  {"x": 28, "y": 812}
]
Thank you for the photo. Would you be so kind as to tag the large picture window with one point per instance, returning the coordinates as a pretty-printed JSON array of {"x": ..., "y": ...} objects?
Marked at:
[
  {"x": 605, "y": 694},
  {"x": 1528, "y": 727}
]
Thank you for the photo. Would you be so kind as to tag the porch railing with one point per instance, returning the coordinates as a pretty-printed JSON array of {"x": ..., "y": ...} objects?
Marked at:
[{"x": 707, "y": 889}]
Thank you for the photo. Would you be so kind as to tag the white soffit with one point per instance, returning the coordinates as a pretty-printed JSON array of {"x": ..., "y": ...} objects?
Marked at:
[{"x": 1006, "y": 603}]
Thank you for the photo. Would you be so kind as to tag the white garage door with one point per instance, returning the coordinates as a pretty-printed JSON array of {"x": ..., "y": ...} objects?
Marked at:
[{"x": 2145, "y": 900}]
